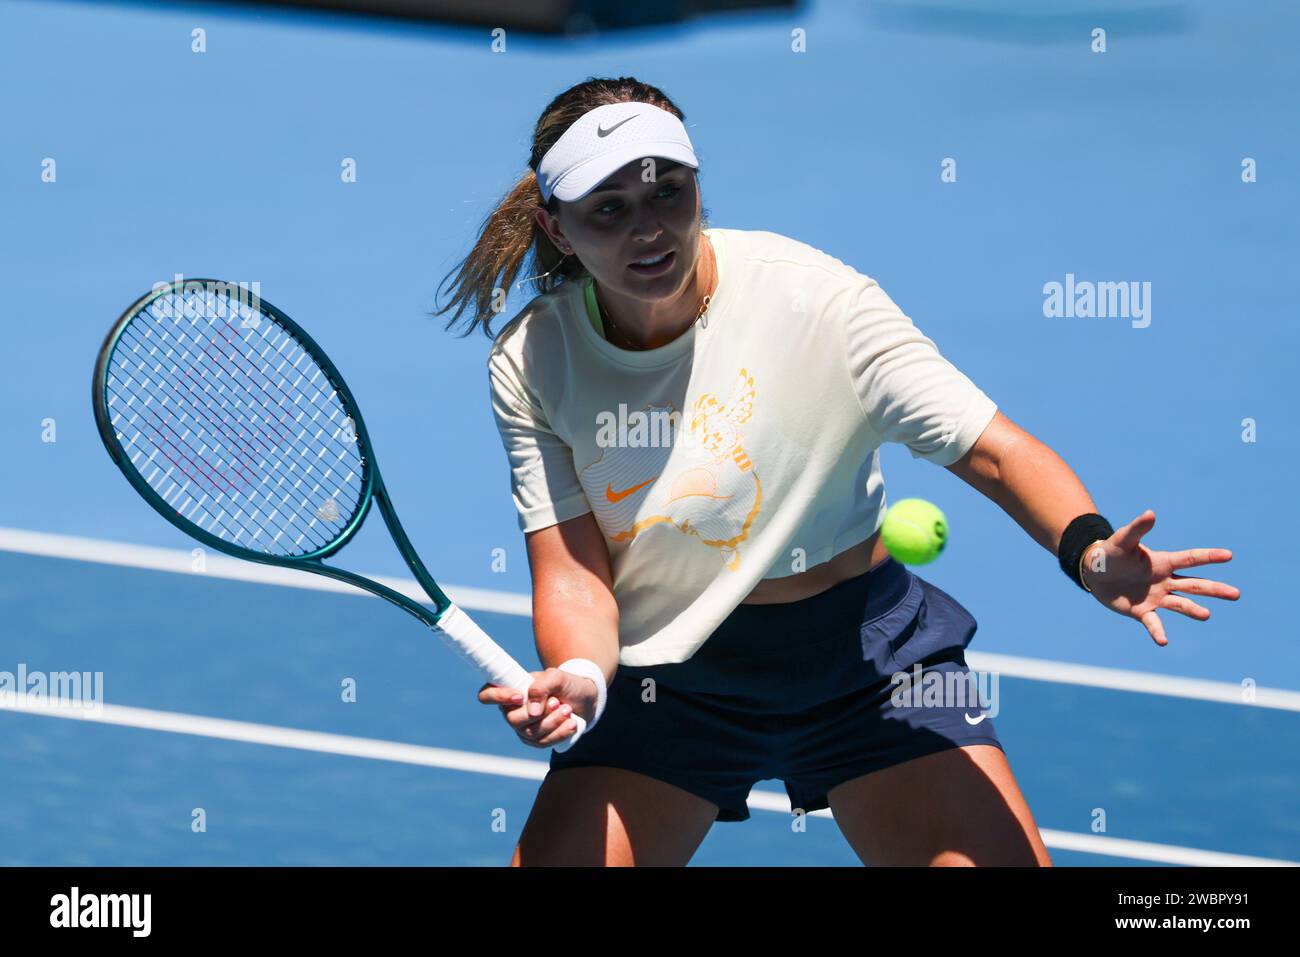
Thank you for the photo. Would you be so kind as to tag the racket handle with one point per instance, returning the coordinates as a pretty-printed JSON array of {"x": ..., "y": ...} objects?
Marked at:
[{"x": 460, "y": 633}]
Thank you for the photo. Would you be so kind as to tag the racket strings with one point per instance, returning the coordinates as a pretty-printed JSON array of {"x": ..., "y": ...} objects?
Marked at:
[
  {"x": 213, "y": 479},
  {"x": 186, "y": 389},
  {"x": 260, "y": 396},
  {"x": 185, "y": 457},
  {"x": 261, "y": 435},
  {"x": 234, "y": 424},
  {"x": 190, "y": 461}
]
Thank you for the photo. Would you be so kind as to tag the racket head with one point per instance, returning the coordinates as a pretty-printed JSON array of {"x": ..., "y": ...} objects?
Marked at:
[{"x": 210, "y": 399}]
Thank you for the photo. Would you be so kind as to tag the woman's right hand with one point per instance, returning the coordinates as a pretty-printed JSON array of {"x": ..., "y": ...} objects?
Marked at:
[{"x": 543, "y": 717}]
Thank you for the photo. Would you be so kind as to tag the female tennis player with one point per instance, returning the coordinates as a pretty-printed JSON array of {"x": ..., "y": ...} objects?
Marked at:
[{"x": 692, "y": 417}]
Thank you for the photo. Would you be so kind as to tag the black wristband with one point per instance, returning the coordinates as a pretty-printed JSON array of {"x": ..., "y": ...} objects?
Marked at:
[{"x": 1076, "y": 538}]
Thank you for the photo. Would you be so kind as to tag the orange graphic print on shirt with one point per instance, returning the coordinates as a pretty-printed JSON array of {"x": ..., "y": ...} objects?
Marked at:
[{"x": 692, "y": 474}]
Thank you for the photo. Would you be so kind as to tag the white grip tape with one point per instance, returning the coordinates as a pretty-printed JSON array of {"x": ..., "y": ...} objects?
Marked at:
[
  {"x": 460, "y": 633},
  {"x": 471, "y": 642}
]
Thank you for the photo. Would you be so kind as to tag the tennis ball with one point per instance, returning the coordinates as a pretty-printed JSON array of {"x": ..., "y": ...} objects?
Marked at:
[{"x": 914, "y": 531}]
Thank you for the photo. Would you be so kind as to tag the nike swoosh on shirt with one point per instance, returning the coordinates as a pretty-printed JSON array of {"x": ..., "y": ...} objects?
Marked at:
[
  {"x": 973, "y": 721},
  {"x": 601, "y": 131},
  {"x": 619, "y": 496}
]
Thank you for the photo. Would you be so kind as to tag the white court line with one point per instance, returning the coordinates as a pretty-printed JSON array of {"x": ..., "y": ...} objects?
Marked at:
[
  {"x": 221, "y": 566},
  {"x": 1140, "y": 682},
  {"x": 509, "y": 603},
  {"x": 378, "y": 750}
]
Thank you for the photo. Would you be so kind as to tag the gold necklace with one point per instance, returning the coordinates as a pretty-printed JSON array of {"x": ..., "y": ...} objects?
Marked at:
[{"x": 605, "y": 320}]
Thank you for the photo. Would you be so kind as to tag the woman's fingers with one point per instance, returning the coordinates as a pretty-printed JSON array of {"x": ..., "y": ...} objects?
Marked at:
[
  {"x": 541, "y": 731},
  {"x": 1185, "y": 606},
  {"x": 1204, "y": 586},
  {"x": 1126, "y": 538},
  {"x": 544, "y": 686},
  {"x": 498, "y": 695},
  {"x": 1154, "y": 628},
  {"x": 1153, "y": 572},
  {"x": 521, "y": 720},
  {"x": 536, "y": 715},
  {"x": 566, "y": 730},
  {"x": 1191, "y": 557},
  {"x": 544, "y": 733},
  {"x": 541, "y": 705}
]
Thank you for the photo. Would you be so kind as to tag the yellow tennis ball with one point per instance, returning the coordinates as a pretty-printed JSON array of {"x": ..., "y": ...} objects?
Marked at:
[{"x": 914, "y": 531}]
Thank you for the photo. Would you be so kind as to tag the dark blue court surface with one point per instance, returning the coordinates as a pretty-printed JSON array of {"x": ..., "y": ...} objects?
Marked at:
[
  {"x": 227, "y": 696},
  {"x": 1186, "y": 773}
]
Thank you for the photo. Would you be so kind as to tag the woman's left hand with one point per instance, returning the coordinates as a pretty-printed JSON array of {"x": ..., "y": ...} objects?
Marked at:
[{"x": 1132, "y": 580}]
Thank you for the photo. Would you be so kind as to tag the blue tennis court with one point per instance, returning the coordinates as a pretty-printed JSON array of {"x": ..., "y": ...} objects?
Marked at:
[{"x": 251, "y": 717}]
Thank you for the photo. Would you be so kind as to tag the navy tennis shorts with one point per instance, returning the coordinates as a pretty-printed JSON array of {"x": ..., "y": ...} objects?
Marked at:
[{"x": 807, "y": 692}]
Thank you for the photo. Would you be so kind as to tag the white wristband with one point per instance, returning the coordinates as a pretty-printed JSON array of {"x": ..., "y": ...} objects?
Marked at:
[{"x": 586, "y": 668}]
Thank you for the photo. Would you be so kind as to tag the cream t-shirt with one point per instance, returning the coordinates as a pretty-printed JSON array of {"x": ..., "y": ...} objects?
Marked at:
[{"x": 745, "y": 449}]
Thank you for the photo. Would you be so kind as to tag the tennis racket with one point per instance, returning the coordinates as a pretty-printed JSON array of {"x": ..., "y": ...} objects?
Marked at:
[{"x": 235, "y": 426}]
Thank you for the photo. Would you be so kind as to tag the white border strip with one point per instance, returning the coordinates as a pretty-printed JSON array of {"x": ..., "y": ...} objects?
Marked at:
[
  {"x": 508, "y": 603},
  {"x": 372, "y": 748},
  {"x": 1140, "y": 682},
  {"x": 278, "y": 737},
  {"x": 217, "y": 565}
]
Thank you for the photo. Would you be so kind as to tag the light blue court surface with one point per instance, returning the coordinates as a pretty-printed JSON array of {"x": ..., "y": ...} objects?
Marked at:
[{"x": 225, "y": 694}]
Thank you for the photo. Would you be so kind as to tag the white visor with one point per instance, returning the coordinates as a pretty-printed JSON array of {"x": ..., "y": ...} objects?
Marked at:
[{"x": 606, "y": 139}]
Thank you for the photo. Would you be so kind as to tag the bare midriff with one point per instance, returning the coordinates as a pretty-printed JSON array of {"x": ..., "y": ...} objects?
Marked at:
[{"x": 849, "y": 563}]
